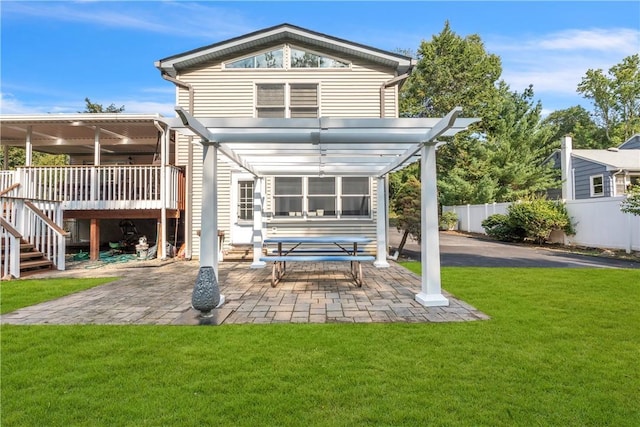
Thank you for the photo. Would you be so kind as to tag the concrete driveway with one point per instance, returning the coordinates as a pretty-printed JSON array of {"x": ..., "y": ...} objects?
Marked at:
[{"x": 459, "y": 250}]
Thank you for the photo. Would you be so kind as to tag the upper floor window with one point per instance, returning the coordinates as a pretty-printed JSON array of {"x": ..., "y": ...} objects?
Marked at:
[
  {"x": 304, "y": 59},
  {"x": 271, "y": 59},
  {"x": 597, "y": 185},
  {"x": 291, "y": 100},
  {"x": 286, "y": 57}
]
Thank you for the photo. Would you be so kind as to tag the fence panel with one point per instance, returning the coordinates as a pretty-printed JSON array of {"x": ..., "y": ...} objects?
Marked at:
[{"x": 599, "y": 223}]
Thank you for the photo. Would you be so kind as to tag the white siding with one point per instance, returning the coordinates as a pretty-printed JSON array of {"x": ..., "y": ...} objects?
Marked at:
[{"x": 353, "y": 92}]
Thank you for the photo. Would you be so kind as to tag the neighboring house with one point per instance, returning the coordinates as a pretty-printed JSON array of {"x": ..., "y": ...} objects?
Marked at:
[{"x": 597, "y": 173}]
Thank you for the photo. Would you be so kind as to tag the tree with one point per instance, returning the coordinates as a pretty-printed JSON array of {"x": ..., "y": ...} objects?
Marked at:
[
  {"x": 406, "y": 204},
  {"x": 616, "y": 98},
  {"x": 98, "y": 108},
  {"x": 575, "y": 121},
  {"x": 451, "y": 71},
  {"x": 632, "y": 203}
]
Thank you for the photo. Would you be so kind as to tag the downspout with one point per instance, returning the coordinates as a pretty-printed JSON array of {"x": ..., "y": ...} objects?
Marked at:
[
  {"x": 398, "y": 80},
  {"x": 188, "y": 226},
  {"x": 162, "y": 249}
]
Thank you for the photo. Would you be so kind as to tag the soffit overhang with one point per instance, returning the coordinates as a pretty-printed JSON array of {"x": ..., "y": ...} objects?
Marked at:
[{"x": 273, "y": 36}]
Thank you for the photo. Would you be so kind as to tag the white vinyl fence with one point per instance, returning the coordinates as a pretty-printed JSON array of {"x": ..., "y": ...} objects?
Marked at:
[{"x": 599, "y": 223}]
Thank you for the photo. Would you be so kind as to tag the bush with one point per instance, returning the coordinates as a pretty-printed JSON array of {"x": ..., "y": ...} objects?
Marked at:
[
  {"x": 448, "y": 220},
  {"x": 500, "y": 227},
  {"x": 532, "y": 219}
]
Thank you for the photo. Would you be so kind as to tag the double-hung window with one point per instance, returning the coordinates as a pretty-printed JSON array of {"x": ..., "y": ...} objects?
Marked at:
[
  {"x": 280, "y": 100},
  {"x": 597, "y": 185},
  {"x": 328, "y": 197}
]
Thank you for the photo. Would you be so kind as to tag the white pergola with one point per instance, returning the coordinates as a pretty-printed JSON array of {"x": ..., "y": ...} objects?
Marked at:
[{"x": 325, "y": 146}]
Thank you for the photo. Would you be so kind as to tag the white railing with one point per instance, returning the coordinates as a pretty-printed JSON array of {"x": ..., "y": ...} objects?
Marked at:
[
  {"x": 599, "y": 223},
  {"x": 102, "y": 187},
  {"x": 37, "y": 222},
  {"x": 10, "y": 251},
  {"x": 7, "y": 179}
]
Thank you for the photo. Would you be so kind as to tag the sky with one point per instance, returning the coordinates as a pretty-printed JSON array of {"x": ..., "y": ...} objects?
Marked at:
[{"x": 54, "y": 54}]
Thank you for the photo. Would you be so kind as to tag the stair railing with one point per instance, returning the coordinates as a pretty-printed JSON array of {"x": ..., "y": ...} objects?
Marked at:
[
  {"x": 37, "y": 223},
  {"x": 10, "y": 238}
]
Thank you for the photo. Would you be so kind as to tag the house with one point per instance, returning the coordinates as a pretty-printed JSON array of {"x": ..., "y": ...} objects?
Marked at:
[
  {"x": 590, "y": 174},
  {"x": 283, "y": 131}
]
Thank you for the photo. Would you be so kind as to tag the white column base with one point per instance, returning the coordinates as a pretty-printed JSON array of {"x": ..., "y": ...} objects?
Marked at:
[
  {"x": 258, "y": 264},
  {"x": 432, "y": 300},
  {"x": 381, "y": 264}
]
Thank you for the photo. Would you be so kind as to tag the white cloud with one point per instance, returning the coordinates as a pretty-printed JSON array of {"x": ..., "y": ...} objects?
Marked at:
[
  {"x": 555, "y": 63},
  {"x": 175, "y": 18}
]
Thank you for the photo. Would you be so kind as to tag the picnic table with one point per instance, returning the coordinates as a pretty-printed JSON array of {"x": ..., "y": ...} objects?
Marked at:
[{"x": 323, "y": 249}]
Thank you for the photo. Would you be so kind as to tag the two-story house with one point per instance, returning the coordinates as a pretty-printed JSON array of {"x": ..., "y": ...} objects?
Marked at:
[{"x": 284, "y": 131}]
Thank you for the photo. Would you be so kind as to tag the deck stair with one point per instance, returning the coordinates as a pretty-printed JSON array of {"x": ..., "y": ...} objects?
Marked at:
[{"x": 31, "y": 260}]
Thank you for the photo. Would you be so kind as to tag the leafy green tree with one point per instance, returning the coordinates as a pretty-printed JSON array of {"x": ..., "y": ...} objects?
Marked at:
[
  {"x": 98, "y": 108},
  {"x": 499, "y": 158},
  {"x": 406, "y": 204},
  {"x": 616, "y": 98},
  {"x": 577, "y": 122}
]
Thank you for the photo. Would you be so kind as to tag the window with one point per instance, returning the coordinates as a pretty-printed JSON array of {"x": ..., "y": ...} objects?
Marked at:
[
  {"x": 304, "y": 59},
  {"x": 355, "y": 196},
  {"x": 288, "y": 196},
  {"x": 245, "y": 200},
  {"x": 297, "y": 59},
  {"x": 333, "y": 197},
  {"x": 322, "y": 196},
  {"x": 271, "y": 59},
  {"x": 272, "y": 100},
  {"x": 597, "y": 185},
  {"x": 624, "y": 182}
]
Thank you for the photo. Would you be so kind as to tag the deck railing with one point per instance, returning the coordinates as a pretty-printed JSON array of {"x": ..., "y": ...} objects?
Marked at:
[
  {"x": 103, "y": 187},
  {"x": 37, "y": 222}
]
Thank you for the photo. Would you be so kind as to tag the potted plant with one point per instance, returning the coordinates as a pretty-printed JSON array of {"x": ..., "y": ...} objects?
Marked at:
[{"x": 449, "y": 220}]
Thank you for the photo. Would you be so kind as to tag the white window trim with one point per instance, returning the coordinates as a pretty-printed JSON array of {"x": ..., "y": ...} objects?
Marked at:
[
  {"x": 592, "y": 186},
  {"x": 305, "y": 204},
  {"x": 286, "y": 61}
]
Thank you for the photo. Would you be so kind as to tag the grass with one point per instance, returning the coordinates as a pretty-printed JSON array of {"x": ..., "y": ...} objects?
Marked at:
[
  {"x": 562, "y": 348},
  {"x": 15, "y": 294}
]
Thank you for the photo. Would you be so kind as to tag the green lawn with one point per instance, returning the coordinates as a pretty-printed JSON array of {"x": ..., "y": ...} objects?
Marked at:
[
  {"x": 15, "y": 294},
  {"x": 562, "y": 348}
]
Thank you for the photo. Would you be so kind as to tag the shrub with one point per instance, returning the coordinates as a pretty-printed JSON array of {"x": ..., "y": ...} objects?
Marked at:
[
  {"x": 448, "y": 220},
  {"x": 500, "y": 227},
  {"x": 533, "y": 219},
  {"x": 632, "y": 203}
]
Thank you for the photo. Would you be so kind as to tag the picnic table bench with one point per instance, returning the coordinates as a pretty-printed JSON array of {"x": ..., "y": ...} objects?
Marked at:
[{"x": 345, "y": 250}]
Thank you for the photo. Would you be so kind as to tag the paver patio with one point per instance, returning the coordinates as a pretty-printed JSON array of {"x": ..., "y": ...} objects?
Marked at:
[{"x": 159, "y": 293}]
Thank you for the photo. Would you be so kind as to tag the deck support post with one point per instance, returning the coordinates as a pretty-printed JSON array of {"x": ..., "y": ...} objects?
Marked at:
[
  {"x": 431, "y": 294},
  {"x": 94, "y": 240}
]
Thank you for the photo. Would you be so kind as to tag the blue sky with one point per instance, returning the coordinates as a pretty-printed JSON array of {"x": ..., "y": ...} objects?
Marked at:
[{"x": 56, "y": 53}]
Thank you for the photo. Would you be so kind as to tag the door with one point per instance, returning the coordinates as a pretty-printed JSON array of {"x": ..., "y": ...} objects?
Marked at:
[{"x": 242, "y": 209}]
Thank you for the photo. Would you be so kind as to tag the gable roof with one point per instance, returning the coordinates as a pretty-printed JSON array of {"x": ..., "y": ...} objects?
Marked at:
[
  {"x": 613, "y": 159},
  {"x": 278, "y": 34},
  {"x": 631, "y": 143}
]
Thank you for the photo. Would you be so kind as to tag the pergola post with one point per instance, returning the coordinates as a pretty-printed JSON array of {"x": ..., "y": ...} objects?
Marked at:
[
  {"x": 381, "y": 224},
  {"x": 28, "y": 148},
  {"x": 431, "y": 294},
  {"x": 206, "y": 292},
  {"x": 258, "y": 191}
]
